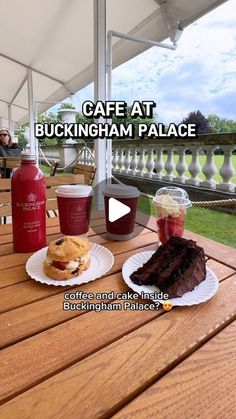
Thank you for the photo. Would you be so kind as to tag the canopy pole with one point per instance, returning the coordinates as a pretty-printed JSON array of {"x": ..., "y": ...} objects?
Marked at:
[
  {"x": 16, "y": 106},
  {"x": 109, "y": 90},
  {"x": 109, "y": 76},
  {"x": 142, "y": 40},
  {"x": 100, "y": 93},
  {"x": 9, "y": 119},
  {"x": 33, "y": 142}
]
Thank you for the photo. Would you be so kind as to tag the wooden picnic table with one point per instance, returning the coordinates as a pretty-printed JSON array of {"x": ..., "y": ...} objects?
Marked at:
[
  {"x": 70, "y": 178},
  {"x": 126, "y": 364}
]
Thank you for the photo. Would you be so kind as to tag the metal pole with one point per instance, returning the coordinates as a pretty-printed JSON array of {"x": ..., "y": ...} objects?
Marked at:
[
  {"x": 9, "y": 119},
  {"x": 100, "y": 92},
  {"x": 109, "y": 77},
  {"x": 33, "y": 144},
  {"x": 109, "y": 90},
  {"x": 36, "y": 71},
  {"x": 142, "y": 40}
]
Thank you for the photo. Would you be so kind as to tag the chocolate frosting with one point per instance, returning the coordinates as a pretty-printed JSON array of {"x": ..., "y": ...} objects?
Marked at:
[{"x": 175, "y": 268}]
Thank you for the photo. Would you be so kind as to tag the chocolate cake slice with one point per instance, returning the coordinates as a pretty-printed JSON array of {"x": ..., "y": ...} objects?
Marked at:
[{"x": 175, "y": 268}]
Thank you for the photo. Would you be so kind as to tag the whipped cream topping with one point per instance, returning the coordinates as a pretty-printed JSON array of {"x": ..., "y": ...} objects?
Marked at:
[
  {"x": 72, "y": 264},
  {"x": 84, "y": 258},
  {"x": 167, "y": 206}
]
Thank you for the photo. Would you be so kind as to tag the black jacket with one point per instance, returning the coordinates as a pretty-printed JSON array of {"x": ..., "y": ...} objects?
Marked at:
[{"x": 13, "y": 151}]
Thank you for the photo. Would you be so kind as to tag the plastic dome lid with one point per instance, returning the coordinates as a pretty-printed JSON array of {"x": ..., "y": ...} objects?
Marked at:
[{"x": 178, "y": 195}]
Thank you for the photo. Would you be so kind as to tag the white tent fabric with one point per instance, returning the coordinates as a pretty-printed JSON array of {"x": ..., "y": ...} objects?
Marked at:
[{"x": 55, "y": 39}]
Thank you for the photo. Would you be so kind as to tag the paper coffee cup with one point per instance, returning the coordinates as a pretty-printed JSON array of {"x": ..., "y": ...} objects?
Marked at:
[
  {"x": 123, "y": 227},
  {"x": 74, "y": 207}
]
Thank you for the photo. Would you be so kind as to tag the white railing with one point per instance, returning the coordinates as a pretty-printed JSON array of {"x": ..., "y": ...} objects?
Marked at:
[
  {"x": 185, "y": 162},
  {"x": 86, "y": 156},
  {"x": 51, "y": 153},
  {"x": 67, "y": 155}
]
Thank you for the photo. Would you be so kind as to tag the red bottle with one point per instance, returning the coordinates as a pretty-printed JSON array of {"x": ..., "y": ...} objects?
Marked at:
[{"x": 28, "y": 206}]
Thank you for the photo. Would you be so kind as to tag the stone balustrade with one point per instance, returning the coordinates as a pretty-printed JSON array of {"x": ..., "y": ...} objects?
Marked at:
[
  {"x": 171, "y": 160},
  {"x": 178, "y": 161}
]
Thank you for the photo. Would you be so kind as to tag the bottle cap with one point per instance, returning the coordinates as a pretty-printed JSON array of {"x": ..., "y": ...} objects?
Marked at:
[{"x": 28, "y": 156}]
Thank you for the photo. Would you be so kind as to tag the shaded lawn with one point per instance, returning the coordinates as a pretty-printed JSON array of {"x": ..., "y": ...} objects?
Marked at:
[{"x": 46, "y": 170}]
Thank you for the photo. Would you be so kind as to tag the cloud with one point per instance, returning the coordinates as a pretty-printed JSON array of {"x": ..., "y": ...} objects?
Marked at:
[{"x": 200, "y": 74}]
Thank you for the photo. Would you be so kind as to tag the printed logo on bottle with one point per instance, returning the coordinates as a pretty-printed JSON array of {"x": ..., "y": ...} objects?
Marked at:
[
  {"x": 31, "y": 197},
  {"x": 31, "y": 204}
]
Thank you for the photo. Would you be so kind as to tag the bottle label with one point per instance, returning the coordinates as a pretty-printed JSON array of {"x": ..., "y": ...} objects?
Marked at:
[
  {"x": 32, "y": 226},
  {"x": 30, "y": 206},
  {"x": 28, "y": 209}
]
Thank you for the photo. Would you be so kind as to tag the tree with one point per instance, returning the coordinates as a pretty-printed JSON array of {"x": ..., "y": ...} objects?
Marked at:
[
  {"x": 81, "y": 119},
  {"x": 19, "y": 133},
  {"x": 43, "y": 118},
  {"x": 131, "y": 120},
  {"x": 196, "y": 117},
  {"x": 218, "y": 124},
  {"x": 50, "y": 118},
  {"x": 67, "y": 106}
]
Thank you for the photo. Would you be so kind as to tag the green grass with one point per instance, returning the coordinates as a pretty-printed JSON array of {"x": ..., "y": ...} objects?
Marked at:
[
  {"x": 215, "y": 225},
  {"x": 218, "y": 160},
  {"x": 45, "y": 169}
]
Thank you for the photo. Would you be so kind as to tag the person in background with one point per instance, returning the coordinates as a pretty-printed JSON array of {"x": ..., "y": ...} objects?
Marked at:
[{"x": 8, "y": 149}]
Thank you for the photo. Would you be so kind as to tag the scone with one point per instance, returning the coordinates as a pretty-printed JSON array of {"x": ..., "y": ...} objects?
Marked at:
[{"x": 67, "y": 257}]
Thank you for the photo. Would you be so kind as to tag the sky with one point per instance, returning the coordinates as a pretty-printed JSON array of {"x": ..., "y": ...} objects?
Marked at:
[{"x": 199, "y": 75}]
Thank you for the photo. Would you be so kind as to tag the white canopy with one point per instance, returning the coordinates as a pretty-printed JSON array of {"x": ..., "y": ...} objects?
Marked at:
[{"x": 55, "y": 39}]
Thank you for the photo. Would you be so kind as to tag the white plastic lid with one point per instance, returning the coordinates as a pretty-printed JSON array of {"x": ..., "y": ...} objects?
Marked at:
[
  {"x": 74, "y": 191},
  {"x": 178, "y": 195},
  {"x": 121, "y": 191}
]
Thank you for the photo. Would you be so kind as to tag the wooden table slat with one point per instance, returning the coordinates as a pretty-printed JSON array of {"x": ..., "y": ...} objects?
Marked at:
[
  {"x": 15, "y": 325},
  {"x": 25, "y": 293},
  {"x": 122, "y": 369},
  {"x": 98, "y": 364},
  {"x": 8, "y": 261},
  {"x": 195, "y": 385},
  {"x": 18, "y": 274}
]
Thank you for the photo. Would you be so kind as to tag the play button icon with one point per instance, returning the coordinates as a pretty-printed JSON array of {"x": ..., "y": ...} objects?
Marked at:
[
  {"x": 122, "y": 204},
  {"x": 117, "y": 210}
]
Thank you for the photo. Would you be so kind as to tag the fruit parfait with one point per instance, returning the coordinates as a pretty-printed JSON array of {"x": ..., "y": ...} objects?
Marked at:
[{"x": 171, "y": 204}]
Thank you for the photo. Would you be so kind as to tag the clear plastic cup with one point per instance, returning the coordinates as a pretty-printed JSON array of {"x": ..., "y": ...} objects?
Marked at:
[{"x": 171, "y": 205}]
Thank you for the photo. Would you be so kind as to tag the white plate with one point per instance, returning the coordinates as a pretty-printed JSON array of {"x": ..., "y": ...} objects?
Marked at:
[
  {"x": 201, "y": 293},
  {"x": 101, "y": 261}
]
